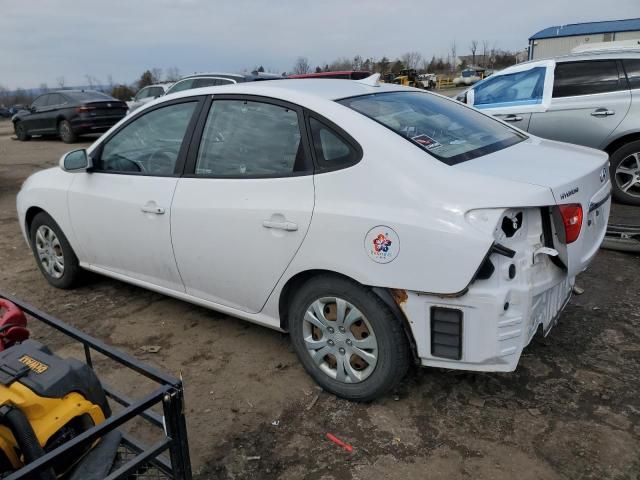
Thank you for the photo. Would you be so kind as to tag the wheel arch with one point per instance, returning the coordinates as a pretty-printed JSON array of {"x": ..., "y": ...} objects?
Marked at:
[
  {"x": 30, "y": 215},
  {"x": 621, "y": 141},
  {"x": 392, "y": 298}
]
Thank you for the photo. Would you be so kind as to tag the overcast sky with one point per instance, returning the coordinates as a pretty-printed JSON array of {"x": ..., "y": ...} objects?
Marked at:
[{"x": 42, "y": 40}]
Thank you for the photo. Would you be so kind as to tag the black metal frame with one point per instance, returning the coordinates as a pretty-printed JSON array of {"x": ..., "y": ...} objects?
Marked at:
[{"x": 169, "y": 393}]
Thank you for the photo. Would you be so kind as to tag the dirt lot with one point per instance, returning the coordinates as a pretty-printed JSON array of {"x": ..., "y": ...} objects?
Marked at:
[{"x": 571, "y": 410}]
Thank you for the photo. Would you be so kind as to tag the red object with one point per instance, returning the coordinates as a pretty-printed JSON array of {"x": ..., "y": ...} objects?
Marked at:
[
  {"x": 13, "y": 325},
  {"x": 339, "y": 442},
  {"x": 572, "y": 219},
  {"x": 344, "y": 74}
]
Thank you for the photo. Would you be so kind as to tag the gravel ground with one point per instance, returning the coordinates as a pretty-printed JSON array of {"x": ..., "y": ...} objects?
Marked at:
[{"x": 570, "y": 410}]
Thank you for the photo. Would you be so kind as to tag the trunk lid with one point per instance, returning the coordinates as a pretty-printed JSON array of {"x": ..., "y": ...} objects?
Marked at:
[
  {"x": 574, "y": 174},
  {"x": 106, "y": 109}
]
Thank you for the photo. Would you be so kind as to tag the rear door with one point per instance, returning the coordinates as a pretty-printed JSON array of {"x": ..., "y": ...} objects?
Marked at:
[
  {"x": 590, "y": 99},
  {"x": 242, "y": 209},
  {"x": 55, "y": 102}
]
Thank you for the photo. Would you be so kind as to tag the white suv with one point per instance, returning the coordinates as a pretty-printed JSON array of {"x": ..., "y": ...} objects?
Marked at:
[{"x": 590, "y": 99}]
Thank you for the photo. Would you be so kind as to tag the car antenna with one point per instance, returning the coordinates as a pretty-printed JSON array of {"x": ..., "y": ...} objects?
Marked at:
[{"x": 371, "y": 80}]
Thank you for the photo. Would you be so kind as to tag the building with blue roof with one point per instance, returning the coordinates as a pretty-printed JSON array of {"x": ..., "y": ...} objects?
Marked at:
[{"x": 561, "y": 39}]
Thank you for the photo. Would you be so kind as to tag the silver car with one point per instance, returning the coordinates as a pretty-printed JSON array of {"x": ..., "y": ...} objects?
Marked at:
[
  {"x": 147, "y": 94},
  {"x": 591, "y": 99}
]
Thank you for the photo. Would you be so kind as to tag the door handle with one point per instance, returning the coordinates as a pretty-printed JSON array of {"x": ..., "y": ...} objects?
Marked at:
[
  {"x": 153, "y": 209},
  {"x": 602, "y": 112},
  {"x": 288, "y": 226},
  {"x": 512, "y": 118}
]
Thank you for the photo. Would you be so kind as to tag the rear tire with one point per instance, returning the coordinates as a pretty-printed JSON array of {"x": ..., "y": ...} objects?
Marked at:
[
  {"x": 66, "y": 133},
  {"x": 21, "y": 132},
  {"x": 625, "y": 173},
  {"x": 55, "y": 258},
  {"x": 359, "y": 351}
]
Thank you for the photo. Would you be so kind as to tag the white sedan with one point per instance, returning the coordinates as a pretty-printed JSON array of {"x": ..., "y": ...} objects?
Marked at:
[{"x": 379, "y": 225}]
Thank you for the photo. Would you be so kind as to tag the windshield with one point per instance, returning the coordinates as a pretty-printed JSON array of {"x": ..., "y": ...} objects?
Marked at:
[{"x": 446, "y": 129}]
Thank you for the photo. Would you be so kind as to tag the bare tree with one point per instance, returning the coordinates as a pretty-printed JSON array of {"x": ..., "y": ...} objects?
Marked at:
[
  {"x": 44, "y": 88},
  {"x": 172, "y": 75},
  {"x": 301, "y": 66},
  {"x": 60, "y": 82},
  {"x": 485, "y": 47},
  {"x": 156, "y": 74},
  {"x": 342, "y": 63},
  {"x": 411, "y": 59},
  {"x": 454, "y": 56},
  {"x": 473, "y": 47}
]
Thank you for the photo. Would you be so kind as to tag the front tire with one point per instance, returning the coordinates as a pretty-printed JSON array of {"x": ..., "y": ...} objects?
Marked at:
[
  {"x": 625, "y": 173},
  {"x": 21, "y": 132},
  {"x": 347, "y": 338},
  {"x": 66, "y": 133},
  {"x": 55, "y": 258}
]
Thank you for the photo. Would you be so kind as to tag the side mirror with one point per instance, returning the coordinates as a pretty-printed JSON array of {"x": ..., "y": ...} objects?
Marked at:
[
  {"x": 76, "y": 161},
  {"x": 470, "y": 97}
]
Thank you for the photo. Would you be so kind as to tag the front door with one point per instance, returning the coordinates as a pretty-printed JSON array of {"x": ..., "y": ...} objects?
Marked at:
[
  {"x": 121, "y": 210},
  {"x": 243, "y": 209},
  {"x": 515, "y": 95},
  {"x": 590, "y": 99}
]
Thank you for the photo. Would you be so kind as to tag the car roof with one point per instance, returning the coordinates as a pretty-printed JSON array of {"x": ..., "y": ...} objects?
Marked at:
[
  {"x": 587, "y": 55},
  {"x": 245, "y": 76},
  {"x": 325, "y": 88}
]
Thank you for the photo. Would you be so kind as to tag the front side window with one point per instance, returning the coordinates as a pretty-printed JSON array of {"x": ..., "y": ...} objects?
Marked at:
[
  {"x": 519, "y": 88},
  {"x": 150, "y": 144},
  {"x": 244, "y": 138},
  {"x": 182, "y": 85},
  {"x": 55, "y": 99},
  {"x": 586, "y": 78},
  {"x": 155, "y": 92},
  {"x": 632, "y": 67},
  {"x": 41, "y": 101},
  {"x": 142, "y": 94},
  {"x": 446, "y": 129}
]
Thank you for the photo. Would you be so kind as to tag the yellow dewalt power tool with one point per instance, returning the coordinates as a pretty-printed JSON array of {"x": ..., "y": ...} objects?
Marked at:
[{"x": 45, "y": 401}]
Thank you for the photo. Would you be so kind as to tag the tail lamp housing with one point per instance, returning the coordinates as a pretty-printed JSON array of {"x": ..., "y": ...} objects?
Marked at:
[{"x": 572, "y": 217}]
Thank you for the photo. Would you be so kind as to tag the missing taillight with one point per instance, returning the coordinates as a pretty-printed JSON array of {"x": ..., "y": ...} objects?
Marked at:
[{"x": 572, "y": 220}]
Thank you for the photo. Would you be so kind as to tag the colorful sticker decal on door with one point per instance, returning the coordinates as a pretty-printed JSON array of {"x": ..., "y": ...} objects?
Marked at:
[{"x": 382, "y": 244}]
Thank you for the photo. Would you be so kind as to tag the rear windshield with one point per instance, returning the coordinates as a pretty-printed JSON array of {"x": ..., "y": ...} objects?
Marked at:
[
  {"x": 88, "y": 96},
  {"x": 447, "y": 130}
]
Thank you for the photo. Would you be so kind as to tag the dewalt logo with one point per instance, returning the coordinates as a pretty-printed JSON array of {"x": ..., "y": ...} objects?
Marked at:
[{"x": 33, "y": 364}]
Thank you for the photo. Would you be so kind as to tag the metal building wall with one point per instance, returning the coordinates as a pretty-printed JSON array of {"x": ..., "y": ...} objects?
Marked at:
[{"x": 553, "y": 47}]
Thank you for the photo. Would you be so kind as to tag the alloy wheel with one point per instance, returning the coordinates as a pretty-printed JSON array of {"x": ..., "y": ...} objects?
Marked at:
[
  {"x": 49, "y": 251},
  {"x": 627, "y": 175},
  {"x": 340, "y": 340}
]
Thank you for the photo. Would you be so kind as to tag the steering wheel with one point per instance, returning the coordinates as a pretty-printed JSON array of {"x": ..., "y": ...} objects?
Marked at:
[
  {"x": 120, "y": 163},
  {"x": 161, "y": 162}
]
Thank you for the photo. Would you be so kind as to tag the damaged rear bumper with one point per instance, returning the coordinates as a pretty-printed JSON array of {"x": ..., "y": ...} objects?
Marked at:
[{"x": 487, "y": 327}]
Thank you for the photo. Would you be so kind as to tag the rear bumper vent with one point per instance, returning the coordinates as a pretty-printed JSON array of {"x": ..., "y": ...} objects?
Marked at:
[{"x": 446, "y": 333}]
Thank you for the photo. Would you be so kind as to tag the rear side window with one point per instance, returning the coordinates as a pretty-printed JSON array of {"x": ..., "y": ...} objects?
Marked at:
[
  {"x": 444, "y": 128},
  {"x": 205, "y": 82},
  {"x": 632, "y": 67},
  {"x": 332, "y": 150},
  {"x": 520, "y": 88},
  {"x": 250, "y": 139},
  {"x": 586, "y": 78}
]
